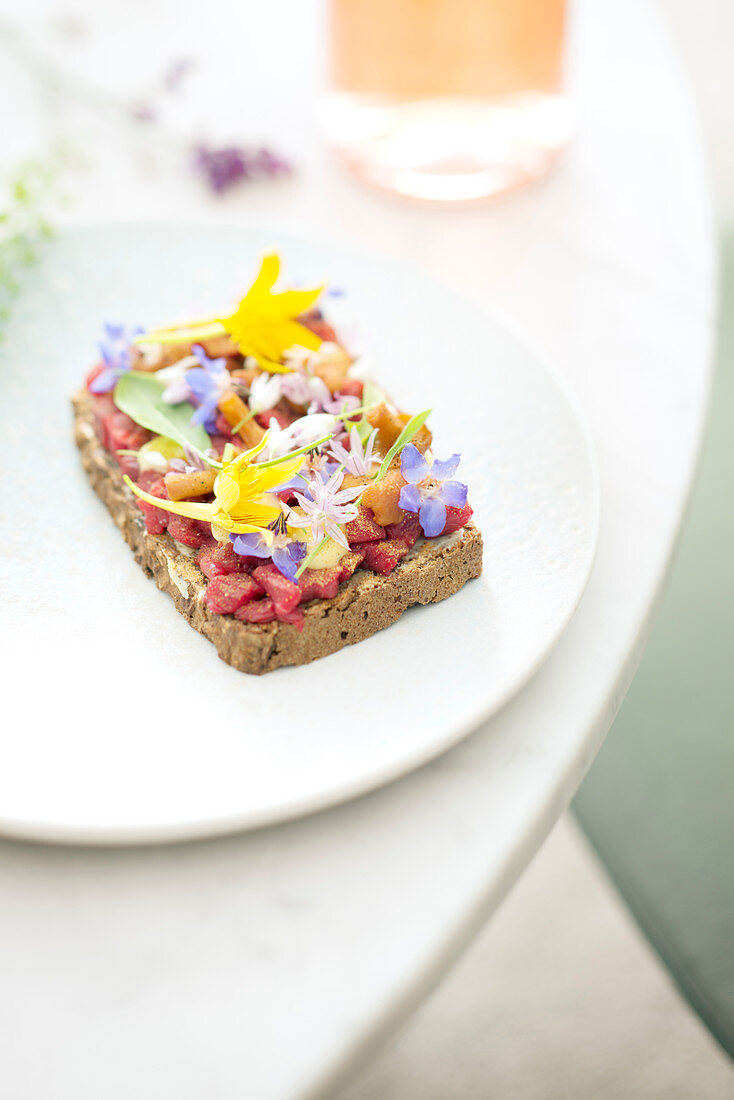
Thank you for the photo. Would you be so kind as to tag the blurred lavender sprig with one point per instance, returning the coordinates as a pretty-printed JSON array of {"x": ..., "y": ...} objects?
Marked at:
[
  {"x": 221, "y": 167},
  {"x": 228, "y": 165}
]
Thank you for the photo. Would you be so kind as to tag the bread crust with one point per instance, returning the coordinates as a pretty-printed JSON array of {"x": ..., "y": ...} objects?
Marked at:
[{"x": 364, "y": 604}]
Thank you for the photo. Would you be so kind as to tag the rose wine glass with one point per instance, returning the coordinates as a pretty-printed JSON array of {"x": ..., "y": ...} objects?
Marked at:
[{"x": 447, "y": 101}]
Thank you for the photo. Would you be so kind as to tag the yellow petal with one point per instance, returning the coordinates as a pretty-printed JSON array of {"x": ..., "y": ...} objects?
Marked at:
[
  {"x": 267, "y": 275},
  {"x": 179, "y": 507}
]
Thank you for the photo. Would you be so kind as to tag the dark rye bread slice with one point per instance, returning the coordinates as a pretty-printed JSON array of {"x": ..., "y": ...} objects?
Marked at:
[{"x": 364, "y": 604}]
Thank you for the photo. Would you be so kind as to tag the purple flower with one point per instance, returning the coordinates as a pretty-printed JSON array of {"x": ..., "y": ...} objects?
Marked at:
[
  {"x": 208, "y": 383},
  {"x": 358, "y": 460},
  {"x": 325, "y": 507},
  {"x": 429, "y": 490},
  {"x": 115, "y": 352},
  {"x": 285, "y": 553},
  {"x": 224, "y": 167}
]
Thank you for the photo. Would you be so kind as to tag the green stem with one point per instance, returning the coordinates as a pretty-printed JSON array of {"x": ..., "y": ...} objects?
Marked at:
[{"x": 309, "y": 558}]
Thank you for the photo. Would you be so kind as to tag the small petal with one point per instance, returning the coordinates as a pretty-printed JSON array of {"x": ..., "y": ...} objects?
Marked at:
[
  {"x": 432, "y": 517},
  {"x": 453, "y": 493},
  {"x": 410, "y": 498},
  {"x": 413, "y": 465},
  {"x": 176, "y": 392},
  {"x": 105, "y": 381},
  {"x": 199, "y": 382},
  {"x": 337, "y": 533},
  {"x": 442, "y": 471},
  {"x": 284, "y": 562},
  {"x": 250, "y": 546}
]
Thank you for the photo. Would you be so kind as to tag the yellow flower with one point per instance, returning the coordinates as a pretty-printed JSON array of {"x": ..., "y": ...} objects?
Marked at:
[
  {"x": 263, "y": 326},
  {"x": 240, "y": 502}
]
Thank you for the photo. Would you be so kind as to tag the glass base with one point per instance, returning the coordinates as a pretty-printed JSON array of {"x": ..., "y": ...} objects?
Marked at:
[{"x": 449, "y": 150}]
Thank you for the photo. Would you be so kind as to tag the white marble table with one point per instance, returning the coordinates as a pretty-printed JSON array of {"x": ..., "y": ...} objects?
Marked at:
[{"x": 267, "y": 965}]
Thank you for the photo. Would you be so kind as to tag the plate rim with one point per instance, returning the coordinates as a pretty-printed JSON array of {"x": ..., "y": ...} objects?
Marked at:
[{"x": 64, "y": 834}]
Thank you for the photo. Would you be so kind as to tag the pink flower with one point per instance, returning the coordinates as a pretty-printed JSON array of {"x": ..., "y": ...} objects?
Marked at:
[
  {"x": 358, "y": 460},
  {"x": 326, "y": 507}
]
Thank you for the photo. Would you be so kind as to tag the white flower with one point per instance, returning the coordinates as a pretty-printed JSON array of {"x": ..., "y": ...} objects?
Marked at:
[
  {"x": 301, "y": 433},
  {"x": 326, "y": 507},
  {"x": 177, "y": 388},
  {"x": 358, "y": 460},
  {"x": 265, "y": 392}
]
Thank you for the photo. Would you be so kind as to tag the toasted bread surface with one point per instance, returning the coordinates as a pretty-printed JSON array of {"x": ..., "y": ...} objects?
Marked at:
[{"x": 364, "y": 604}]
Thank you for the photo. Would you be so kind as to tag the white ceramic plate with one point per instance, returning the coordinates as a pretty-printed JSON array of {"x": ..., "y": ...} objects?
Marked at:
[{"x": 126, "y": 725}]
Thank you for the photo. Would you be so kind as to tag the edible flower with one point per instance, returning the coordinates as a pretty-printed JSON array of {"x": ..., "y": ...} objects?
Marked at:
[
  {"x": 174, "y": 378},
  {"x": 115, "y": 352},
  {"x": 358, "y": 459},
  {"x": 208, "y": 382},
  {"x": 263, "y": 326},
  {"x": 265, "y": 392},
  {"x": 304, "y": 432},
  {"x": 240, "y": 493},
  {"x": 430, "y": 489},
  {"x": 302, "y": 388},
  {"x": 326, "y": 507},
  {"x": 285, "y": 553}
]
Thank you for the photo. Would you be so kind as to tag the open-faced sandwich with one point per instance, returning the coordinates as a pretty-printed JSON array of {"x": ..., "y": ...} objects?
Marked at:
[{"x": 281, "y": 499}]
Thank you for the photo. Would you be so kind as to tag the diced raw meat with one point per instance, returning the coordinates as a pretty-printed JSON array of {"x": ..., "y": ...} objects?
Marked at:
[
  {"x": 122, "y": 433},
  {"x": 227, "y": 558},
  {"x": 351, "y": 387},
  {"x": 320, "y": 584},
  {"x": 156, "y": 519},
  {"x": 349, "y": 563},
  {"x": 408, "y": 530},
  {"x": 456, "y": 518},
  {"x": 229, "y": 593},
  {"x": 364, "y": 528},
  {"x": 259, "y": 611},
  {"x": 186, "y": 531},
  {"x": 283, "y": 417},
  {"x": 285, "y": 594},
  {"x": 382, "y": 557}
]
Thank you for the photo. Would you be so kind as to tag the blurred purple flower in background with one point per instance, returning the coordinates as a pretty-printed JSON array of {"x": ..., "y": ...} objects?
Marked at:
[{"x": 228, "y": 165}]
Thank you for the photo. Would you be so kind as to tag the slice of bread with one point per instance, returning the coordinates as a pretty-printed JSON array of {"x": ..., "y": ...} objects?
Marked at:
[{"x": 364, "y": 604}]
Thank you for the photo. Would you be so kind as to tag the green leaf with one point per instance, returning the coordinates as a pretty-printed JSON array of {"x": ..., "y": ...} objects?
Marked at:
[
  {"x": 140, "y": 395},
  {"x": 413, "y": 426}
]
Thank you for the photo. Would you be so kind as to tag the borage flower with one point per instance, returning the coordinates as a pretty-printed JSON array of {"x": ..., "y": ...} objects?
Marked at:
[
  {"x": 326, "y": 507},
  {"x": 358, "y": 459},
  {"x": 208, "y": 382},
  {"x": 115, "y": 352},
  {"x": 430, "y": 490},
  {"x": 285, "y": 553}
]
